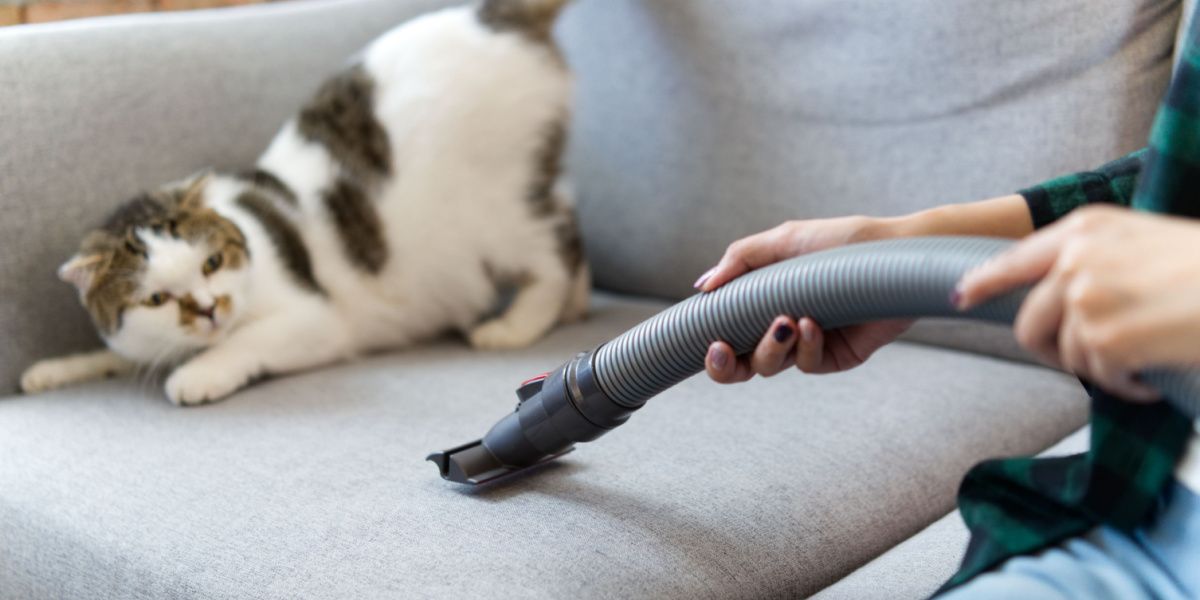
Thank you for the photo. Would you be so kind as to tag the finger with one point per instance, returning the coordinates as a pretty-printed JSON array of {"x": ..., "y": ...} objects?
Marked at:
[
  {"x": 744, "y": 255},
  {"x": 1026, "y": 262},
  {"x": 773, "y": 352},
  {"x": 1114, "y": 373},
  {"x": 839, "y": 352},
  {"x": 810, "y": 350},
  {"x": 1040, "y": 318},
  {"x": 869, "y": 337},
  {"x": 723, "y": 366},
  {"x": 1072, "y": 354},
  {"x": 1122, "y": 384}
]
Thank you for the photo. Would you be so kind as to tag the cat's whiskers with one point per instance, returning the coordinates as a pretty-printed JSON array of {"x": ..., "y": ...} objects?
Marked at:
[{"x": 148, "y": 371}]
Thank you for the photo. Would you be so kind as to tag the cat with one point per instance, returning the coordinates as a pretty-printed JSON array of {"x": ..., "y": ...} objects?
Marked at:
[{"x": 396, "y": 206}]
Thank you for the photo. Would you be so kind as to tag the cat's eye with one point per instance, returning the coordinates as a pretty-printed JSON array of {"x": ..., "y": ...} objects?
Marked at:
[
  {"x": 212, "y": 264},
  {"x": 158, "y": 299}
]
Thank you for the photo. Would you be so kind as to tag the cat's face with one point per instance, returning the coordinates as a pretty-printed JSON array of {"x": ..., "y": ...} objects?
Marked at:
[{"x": 164, "y": 277}]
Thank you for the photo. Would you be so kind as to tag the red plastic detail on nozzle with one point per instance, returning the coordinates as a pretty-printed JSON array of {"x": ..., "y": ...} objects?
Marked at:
[{"x": 534, "y": 378}]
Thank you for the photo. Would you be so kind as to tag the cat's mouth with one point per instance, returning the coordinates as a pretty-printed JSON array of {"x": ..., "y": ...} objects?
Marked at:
[
  {"x": 211, "y": 323},
  {"x": 216, "y": 325},
  {"x": 211, "y": 328}
]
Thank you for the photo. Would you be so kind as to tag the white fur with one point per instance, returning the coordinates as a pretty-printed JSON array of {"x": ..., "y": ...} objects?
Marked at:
[{"x": 465, "y": 109}]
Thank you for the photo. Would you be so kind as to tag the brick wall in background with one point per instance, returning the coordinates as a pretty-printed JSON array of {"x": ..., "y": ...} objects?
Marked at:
[
  {"x": 10, "y": 14},
  {"x": 13, "y": 12}
]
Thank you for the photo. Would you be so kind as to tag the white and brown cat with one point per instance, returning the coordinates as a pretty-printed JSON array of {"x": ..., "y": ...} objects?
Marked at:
[{"x": 392, "y": 208}]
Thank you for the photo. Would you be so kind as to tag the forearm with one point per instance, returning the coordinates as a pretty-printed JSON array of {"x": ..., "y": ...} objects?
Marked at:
[
  {"x": 1005, "y": 216},
  {"x": 1018, "y": 215}
]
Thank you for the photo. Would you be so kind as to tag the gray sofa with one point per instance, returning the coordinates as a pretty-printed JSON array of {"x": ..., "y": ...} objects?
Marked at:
[{"x": 698, "y": 121}]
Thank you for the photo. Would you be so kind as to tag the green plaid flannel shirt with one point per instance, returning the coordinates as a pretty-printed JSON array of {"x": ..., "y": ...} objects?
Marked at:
[{"x": 1019, "y": 506}]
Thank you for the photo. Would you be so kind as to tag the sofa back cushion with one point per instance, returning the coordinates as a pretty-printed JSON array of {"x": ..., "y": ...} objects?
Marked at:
[
  {"x": 702, "y": 121},
  {"x": 697, "y": 121}
]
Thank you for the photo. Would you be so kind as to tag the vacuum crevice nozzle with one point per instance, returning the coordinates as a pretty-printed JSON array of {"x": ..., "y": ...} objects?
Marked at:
[
  {"x": 470, "y": 463},
  {"x": 557, "y": 410},
  {"x": 473, "y": 464}
]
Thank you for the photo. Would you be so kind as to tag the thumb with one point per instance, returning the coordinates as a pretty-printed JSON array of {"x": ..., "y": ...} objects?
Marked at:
[{"x": 742, "y": 256}]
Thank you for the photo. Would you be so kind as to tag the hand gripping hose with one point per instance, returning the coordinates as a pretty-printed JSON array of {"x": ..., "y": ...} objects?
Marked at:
[{"x": 598, "y": 390}]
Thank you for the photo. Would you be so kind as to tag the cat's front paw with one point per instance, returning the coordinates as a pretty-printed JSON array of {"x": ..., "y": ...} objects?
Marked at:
[
  {"x": 197, "y": 383},
  {"x": 47, "y": 375},
  {"x": 500, "y": 334}
]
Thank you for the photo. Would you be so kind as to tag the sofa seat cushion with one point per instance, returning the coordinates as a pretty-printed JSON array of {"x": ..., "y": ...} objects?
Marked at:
[
  {"x": 918, "y": 566},
  {"x": 315, "y": 485}
]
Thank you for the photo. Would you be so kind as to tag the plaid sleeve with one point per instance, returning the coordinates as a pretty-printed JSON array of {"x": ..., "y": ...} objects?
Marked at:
[{"x": 1113, "y": 183}]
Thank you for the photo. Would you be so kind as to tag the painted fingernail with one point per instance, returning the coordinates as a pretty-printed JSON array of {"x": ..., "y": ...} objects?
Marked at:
[
  {"x": 718, "y": 357},
  {"x": 807, "y": 332},
  {"x": 705, "y": 277},
  {"x": 783, "y": 333},
  {"x": 956, "y": 297}
]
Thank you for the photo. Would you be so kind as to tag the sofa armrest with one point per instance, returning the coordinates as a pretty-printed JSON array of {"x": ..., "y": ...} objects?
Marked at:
[{"x": 95, "y": 110}]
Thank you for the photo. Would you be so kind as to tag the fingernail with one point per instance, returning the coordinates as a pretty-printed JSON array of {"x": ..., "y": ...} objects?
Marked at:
[
  {"x": 703, "y": 278},
  {"x": 956, "y": 297},
  {"x": 783, "y": 333},
  {"x": 718, "y": 357},
  {"x": 806, "y": 332}
]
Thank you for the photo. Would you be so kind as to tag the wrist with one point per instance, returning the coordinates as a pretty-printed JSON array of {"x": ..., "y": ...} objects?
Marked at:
[
  {"x": 1006, "y": 216},
  {"x": 870, "y": 229},
  {"x": 916, "y": 224},
  {"x": 885, "y": 228}
]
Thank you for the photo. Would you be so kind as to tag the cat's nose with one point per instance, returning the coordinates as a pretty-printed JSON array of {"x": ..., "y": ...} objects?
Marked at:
[{"x": 202, "y": 298}]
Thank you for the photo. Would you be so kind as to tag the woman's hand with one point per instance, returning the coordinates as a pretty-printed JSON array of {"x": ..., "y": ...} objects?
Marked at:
[
  {"x": 1117, "y": 292},
  {"x": 789, "y": 341}
]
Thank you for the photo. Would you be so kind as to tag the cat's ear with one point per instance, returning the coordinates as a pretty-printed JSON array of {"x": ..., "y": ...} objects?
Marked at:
[
  {"x": 81, "y": 270},
  {"x": 192, "y": 192}
]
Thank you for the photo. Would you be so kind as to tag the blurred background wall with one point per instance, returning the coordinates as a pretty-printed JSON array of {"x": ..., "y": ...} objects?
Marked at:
[{"x": 14, "y": 12}]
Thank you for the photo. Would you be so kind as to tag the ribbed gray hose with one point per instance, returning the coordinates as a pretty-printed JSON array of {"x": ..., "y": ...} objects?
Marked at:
[{"x": 890, "y": 279}]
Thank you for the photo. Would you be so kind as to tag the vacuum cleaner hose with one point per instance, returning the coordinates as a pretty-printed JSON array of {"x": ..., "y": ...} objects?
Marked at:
[{"x": 596, "y": 391}]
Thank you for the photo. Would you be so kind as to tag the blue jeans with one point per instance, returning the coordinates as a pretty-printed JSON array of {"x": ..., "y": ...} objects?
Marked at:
[{"x": 1158, "y": 560}]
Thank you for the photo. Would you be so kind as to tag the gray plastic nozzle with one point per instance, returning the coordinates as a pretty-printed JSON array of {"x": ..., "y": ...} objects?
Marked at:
[{"x": 555, "y": 412}]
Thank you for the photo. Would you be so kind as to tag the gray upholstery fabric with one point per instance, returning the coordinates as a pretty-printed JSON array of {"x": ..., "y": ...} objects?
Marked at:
[
  {"x": 916, "y": 567},
  {"x": 314, "y": 485},
  {"x": 912, "y": 570},
  {"x": 698, "y": 121},
  {"x": 705, "y": 120}
]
